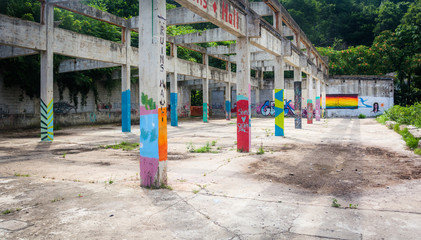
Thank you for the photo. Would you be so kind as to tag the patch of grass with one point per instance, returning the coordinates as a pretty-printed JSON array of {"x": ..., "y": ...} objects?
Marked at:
[
  {"x": 396, "y": 128},
  {"x": 261, "y": 150},
  {"x": 381, "y": 119},
  {"x": 335, "y": 203},
  {"x": 110, "y": 181},
  {"x": 125, "y": 146},
  {"x": 168, "y": 187},
  {"x": 361, "y": 116},
  {"x": 64, "y": 154},
  {"x": 57, "y": 200},
  {"x": 353, "y": 206},
  {"x": 213, "y": 143},
  {"x": 21, "y": 175},
  {"x": 418, "y": 151},
  {"x": 9, "y": 211},
  {"x": 196, "y": 191},
  {"x": 204, "y": 149},
  {"x": 410, "y": 140},
  {"x": 190, "y": 147}
]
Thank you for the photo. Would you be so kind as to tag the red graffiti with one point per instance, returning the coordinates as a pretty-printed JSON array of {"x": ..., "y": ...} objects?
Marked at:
[{"x": 243, "y": 126}]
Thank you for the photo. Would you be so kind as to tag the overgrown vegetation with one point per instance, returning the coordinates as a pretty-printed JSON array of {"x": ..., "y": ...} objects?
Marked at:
[
  {"x": 125, "y": 146},
  {"x": 410, "y": 115},
  {"x": 361, "y": 116}
]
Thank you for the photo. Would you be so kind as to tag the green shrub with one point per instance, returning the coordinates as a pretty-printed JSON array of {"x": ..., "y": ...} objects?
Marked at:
[
  {"x": 396, "y": 128},
  {"x": 418, "y": 151},
  {"x": 381, "y": 119},
  {"x": 410, "y": 115},
  {"x": 410, "y": 140},
  {"x": 361, "y": 116}
]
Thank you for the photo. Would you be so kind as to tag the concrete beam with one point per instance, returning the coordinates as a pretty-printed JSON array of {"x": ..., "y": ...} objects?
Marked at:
[
  {"x": 229, "y": 49},
  {"x": 76, "y": 65},
  {"x": 11, "y": 52},
  {"x": 211, "y": 35},
  {"x": 79, "y": 8}
]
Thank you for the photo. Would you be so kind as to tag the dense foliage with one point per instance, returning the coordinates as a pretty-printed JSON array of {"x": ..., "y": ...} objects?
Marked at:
[{"x": 410, "y": 115}]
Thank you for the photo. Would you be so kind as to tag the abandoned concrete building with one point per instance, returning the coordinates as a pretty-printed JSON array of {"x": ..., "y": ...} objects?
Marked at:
[{"x": 165, "y": 81}]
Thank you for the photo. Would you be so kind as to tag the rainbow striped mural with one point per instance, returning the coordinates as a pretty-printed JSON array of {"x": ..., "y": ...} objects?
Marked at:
[{"x": 342, "y": 101}]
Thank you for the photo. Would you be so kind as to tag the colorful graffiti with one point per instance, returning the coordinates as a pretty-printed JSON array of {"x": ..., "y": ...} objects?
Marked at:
[
  {"x": 289, "y": 109},
  {"x": 243, "y": 124},
  {"x": 297, "y": 95},
  {"x": 125, "y": 111},
  {"x": 47, "y": 121},
  {"x": 317, "y": 110},
  {"x": 279, "y": 112},
  {"x": 341, "y": 101},
  {"x": 174, "y": 117},
  {"x": 268, "y": 108},
  {"x": 228, "y": 110},
  {"x": 309, "y": 111}
]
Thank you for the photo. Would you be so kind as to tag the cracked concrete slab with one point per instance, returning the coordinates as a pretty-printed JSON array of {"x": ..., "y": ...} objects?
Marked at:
[{"x": 63, "y": 189}]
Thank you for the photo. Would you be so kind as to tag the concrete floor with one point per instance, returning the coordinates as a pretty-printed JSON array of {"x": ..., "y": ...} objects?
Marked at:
[{"x": 62, "y": 189}]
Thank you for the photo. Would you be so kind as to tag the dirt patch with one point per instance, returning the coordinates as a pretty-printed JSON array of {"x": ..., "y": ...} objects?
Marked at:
[{"x": 335, "y": 169}]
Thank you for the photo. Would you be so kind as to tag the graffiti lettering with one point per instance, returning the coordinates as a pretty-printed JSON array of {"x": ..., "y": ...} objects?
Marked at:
[{"x": 268, "y": 108}]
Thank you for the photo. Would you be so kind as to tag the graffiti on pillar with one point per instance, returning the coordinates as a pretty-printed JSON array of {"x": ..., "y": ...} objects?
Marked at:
[
  {"x": 125, "y": 111},
  {"x": 184, "y": 111},
  {"x": 148, "y": 102},
  {"x": 279, "y": 112},
  {"x": 289, "y": 108},
  {"x": 342, "y": 101},
  {"x": 310, "y": 111},
  {"x": 243, "y": 123},
  {"x": 205, "y": 112},
  {"x": 162, "y": 111},
  {"x": 148, "y": 147},
  {"x": 317, "y": 108},
  {"x": 47, "y": 120},
  {"x": 297, "y": 104}
]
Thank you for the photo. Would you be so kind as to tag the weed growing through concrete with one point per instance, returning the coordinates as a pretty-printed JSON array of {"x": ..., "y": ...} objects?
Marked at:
[
  {"x": 168, "y": 187},
  {"x": 9, "y": 211},
  {"x": 353, "y": 206},
  {"x": 204, "y": 149},
  {"x": 213, "y": 143},
  {"x": 196, "y": 191},
  {"x": 361, "y": 116},
  {"x": 64, "y": 154},
  {"x": 57, "y": 200},
  {"x": 21, "y": 175},
  {"x": 125, "y": 146},
  {"x": 261, "y": 150},
  {"x": 190, "y": 147},
  {"x": 335, "y": 203}
]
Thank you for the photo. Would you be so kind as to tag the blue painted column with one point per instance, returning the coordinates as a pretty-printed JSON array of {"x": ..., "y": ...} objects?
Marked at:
[
  {"x": 206, "y": 90},
  {"x": 279, "y": 96},
  {"x": 47, "y": 75},
  {"x": 228, "y": 93},
  {"x": 174, "y": 88},
  {"x": 126, "y": 105}
]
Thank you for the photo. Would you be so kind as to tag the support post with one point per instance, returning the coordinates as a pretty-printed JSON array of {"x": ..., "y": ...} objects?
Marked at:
[
  {"x": 310, "y": 99},
  {"x": 297, "y": 96},
  {"x": 243, "y": 95},
  {"x": 228, "y": 93},
  {"x": 279, "y": 97},
  {"x": 318, "y": 100},
  {"x": 125, "y": 85},
  {"x": 324, "y": 99},
  {"x": 174, "y": 89},
  {"x": 205, "y": 86},
  {"x": 47, "y": 75},
  {"x": 152, "y": 87}
]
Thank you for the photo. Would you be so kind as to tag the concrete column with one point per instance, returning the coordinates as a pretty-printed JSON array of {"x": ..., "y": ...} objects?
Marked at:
[
  {"x": 47, "y": 75},
  {"x": 152, "y": 91},
  {"x": 310, "y": 99},
  {"x": 243, "y": 95},
  {"x": 297, "y": 96},
  {"x": 279, "y": 96},
  {"x": 324, "y": 99},
  {"x": 125, "y": 85},
  {"x": 318, "y": 100},
  {"x": 228, "y": 93},
  {"x": 205, "y": 86},
  {"x": 174, "y": 89}
]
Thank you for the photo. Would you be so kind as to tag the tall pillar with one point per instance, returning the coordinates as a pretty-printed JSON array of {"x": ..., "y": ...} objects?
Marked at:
[
  {"x": 152, "y": 87},
  {"x": 279, "y": 96},
  {"x": 243, "y": 95},
  {"x": 310, "y": 99},
  {"x": 318, "y": 100},
  {"x": 297, "y": 96},
  {"x": 47, "y": 75},
  {"x": 206, "y": 90},
  {"x": 228, "y": 100},
  {"x": 125, "y": 85},
  {"x": 174, "y": 89},
  {"x": 324, "y": 99}
]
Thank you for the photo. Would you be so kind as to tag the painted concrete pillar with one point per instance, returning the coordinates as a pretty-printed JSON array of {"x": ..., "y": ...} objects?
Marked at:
[
  {"x": 279, "y": 97},
  {"x": 310, "y": 99},
  {"x": 205, "y": 86},
  {"x": 317, "y": 100},
  {"x": 228, "y": 93},
  {"x": 152, "y": 92},
  {"x": 297, "y": 96},
  {"x": 47, "y": 75},
  {"x": 243, "y": 95},
  {"x": 174, "y": 89},
  {"x": 323, "y": 99},
  {"x": 125, "y": 84}
]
